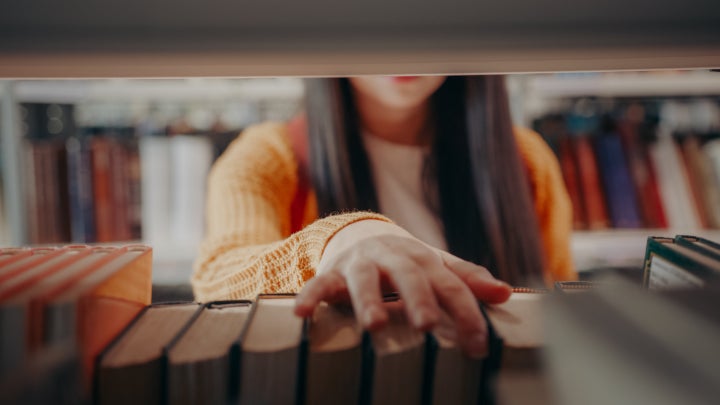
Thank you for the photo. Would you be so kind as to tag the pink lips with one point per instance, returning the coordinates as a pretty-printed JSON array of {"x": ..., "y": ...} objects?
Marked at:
[{"x": 403, "y": 79}]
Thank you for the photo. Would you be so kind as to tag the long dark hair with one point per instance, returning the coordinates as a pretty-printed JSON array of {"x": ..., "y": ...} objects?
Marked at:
[{"x": 484, "y": 195}]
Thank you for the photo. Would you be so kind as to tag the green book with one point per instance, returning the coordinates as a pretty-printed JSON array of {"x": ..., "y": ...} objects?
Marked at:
[
  {"x": 699, "y": 244},
  {"x": 671, "y": 265}
]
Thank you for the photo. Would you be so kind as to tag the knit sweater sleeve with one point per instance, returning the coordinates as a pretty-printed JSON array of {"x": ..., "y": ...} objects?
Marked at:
[
  {"x": 248, "y": 248},
  {"x": 552, "y": 204}
]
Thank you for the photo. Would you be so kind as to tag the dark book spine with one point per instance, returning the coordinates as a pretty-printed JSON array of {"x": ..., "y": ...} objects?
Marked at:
[
  {"x": 119, "y": 185},
  {"x": 132, "y": 151},
  {"x": 622, "y": 204},
  {"x": 82, "y": 215}
]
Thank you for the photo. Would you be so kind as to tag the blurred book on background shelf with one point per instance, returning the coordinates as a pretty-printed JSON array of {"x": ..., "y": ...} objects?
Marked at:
[{"x": 652, "y": 163}]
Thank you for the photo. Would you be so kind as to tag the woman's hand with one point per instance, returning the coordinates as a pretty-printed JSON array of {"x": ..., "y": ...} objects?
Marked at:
[{"x": 370, "y": 257}]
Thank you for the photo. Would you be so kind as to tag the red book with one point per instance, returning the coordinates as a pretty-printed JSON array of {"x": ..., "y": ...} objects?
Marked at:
[
  {"x": 101, "y": 150},
  {"x": 572, "y": 182},
  {"x": 643, "y": 176},
  {"x": 592, "y": 191}
]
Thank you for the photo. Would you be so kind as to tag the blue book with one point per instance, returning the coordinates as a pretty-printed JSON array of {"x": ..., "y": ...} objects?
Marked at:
[
  {"x": 619, "y": 190},
  {"x": 82, "y": 210}
]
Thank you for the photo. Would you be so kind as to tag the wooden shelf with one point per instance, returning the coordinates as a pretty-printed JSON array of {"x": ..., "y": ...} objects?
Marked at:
[{"x": 620, "y": 247}]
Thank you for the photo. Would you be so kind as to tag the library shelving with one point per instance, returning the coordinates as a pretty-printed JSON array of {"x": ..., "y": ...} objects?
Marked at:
[
  {"x": 531, "y": 96},
  {"x": 129, "y": 112}
]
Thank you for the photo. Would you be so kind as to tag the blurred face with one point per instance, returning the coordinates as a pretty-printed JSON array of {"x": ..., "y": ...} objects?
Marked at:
[{"x": 395, "y": 92}]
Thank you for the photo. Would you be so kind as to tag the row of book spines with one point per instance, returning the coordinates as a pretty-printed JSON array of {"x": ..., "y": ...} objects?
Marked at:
[
  {"x": 83, "y": 191},
  {"x": 428, "y": 351},
  {"x": 616, "y": 181}
]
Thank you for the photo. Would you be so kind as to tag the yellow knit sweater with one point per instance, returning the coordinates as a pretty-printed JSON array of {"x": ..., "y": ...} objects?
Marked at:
[{"x": 249, "y": 249}]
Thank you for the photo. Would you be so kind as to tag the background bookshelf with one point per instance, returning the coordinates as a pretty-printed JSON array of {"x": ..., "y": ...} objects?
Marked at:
[{"x": 176, "y": 108}]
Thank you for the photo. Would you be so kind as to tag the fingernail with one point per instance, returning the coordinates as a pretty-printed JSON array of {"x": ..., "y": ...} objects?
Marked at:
[
  {"x": 478, "y": 346},
  {"x": 373, "y": 317},
  {"x": 424, "y": 319}
]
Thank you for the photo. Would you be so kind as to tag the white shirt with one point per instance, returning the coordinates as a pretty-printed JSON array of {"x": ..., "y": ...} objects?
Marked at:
[{"x": 397, "y": 175}]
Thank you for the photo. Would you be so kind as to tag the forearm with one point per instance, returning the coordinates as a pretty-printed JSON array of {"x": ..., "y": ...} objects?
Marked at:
[{"x": 231, "y": 269}]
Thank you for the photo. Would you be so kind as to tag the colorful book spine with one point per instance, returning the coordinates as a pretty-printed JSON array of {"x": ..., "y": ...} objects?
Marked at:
[{"x": 619, "y": 190}]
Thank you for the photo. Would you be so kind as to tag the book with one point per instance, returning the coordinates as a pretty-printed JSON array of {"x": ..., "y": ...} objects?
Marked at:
[
  {"x": 21, "y": 262},
  {"x": 22, "y": 313},
  {"x": 334, "y": 359},
  {"x": 192, "y": 157},
  {"x": 45, "y": 128},
  {"x": 37, "y": 272},
  {"x": 451, "y": 376},
  {"x": 131, "y": 368},
  {"x": 670, "y": 265},
  {"x": 590, "y": 184},
  {"x": 395, "y": 361},
  {"x": 519, "y": 322},
  {"x": 80, "y": 191},
  {"x": 120, "y": 183},
  {"x": 701, "y": 182},
  {"x": 572, "y": 182},
  {"x": 643, "y": 175},
  {"x": 677, "y": 199},
  {"x": 618, "y": 186},
  {"x": 202, "y": 359},
  {"x": 50, "y": 376},
  {"x": 156, "y": 186},
  {"x": 102, "y": 187},
  {"x": 272, "y": 347},
  {"x": 620, "y": 344},
  {"x": 101, "y": 303},
  {"x": 10, "y": 255},
  {"x": 702, "y": 245}
]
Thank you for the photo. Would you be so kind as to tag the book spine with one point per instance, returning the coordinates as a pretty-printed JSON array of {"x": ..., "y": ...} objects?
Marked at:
[
  {"x": 673, "y": 184},
  {"x": 622, "y": 205},
  {"x": 693, "y": 161},
  {"x": 643, "y": 177},
  {"x": 711, "y": 156},
  {"x": 134, "y": 189},
  {"x": 119, "y": 191},
  {"x": 593, "y": 194},
  {"x": 80, "y": 194},
  {"x": 572, "y": 182},
  {"x": 156, "y": 189},
  {"x": 102, "y": 191},
  {"x": 191, "y": 161}
]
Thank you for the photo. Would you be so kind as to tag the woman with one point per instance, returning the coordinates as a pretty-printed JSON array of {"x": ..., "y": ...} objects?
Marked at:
[{"x": 461, "y": 189}]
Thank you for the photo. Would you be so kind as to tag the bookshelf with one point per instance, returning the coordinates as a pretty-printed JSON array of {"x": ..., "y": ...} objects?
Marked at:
[
  {"x": 531, "y": 95},
  {"x": 121, "y": 103}
]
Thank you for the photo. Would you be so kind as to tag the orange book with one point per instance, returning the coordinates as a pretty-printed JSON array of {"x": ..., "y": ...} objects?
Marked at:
[
  {"x": 102, "y": 189},
  {"x": 11, "y": 255},
  {"x": 572, "y": 182},
  {"x": 36, "y": 257},
  {"x": 102, "y": 301},
  {"x": 592, "y": 191},
  {"x": 27, "y": 278}
]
